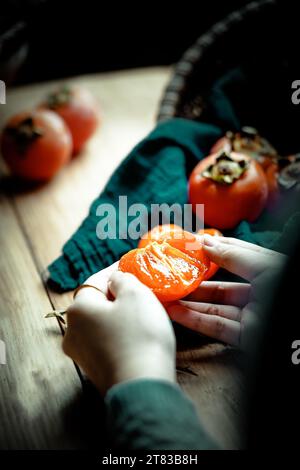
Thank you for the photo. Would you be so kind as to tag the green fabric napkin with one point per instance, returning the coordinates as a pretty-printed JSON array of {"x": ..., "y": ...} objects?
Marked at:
[{"x": 157, "y": 170}]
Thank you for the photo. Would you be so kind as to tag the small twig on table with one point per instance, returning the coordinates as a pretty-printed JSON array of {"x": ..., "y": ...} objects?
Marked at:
[{"x": 58, "y": 314}]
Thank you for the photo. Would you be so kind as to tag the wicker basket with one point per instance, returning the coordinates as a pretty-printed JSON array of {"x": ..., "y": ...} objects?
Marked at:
[{"x": 240, "y": 35}]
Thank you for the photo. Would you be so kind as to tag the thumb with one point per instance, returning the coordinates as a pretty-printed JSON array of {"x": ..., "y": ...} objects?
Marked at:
[
  {"x": 236, "y": 259},
  {"x": 120, "y": 283}
]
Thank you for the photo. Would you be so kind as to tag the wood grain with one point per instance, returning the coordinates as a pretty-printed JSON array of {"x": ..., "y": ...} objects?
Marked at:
[
  {"x": 38, "y": 382},
  {"x": 215, "y": 388}
]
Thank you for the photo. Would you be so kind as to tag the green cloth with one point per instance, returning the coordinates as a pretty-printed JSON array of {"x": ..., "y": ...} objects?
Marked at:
[
  {"x": 148, "y": 414},
  {"x": 157, "y": 171},
  {"x": 148, "y": 175}
]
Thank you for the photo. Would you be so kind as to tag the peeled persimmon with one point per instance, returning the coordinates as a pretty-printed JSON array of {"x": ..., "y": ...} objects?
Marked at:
[
  {"x": 160, "y": 233},
  {"x": 184, "y": 241},
  {"x": 170, "y": 273}
]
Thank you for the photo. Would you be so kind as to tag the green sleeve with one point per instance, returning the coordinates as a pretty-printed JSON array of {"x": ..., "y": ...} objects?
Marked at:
[{"x": 148, "y": 414}]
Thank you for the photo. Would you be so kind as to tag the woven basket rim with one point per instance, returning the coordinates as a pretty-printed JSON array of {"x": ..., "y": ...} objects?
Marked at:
[{"x": 185, "y": 66}]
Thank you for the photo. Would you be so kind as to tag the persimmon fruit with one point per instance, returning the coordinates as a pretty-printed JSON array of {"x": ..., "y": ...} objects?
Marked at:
[{"x": 169, "y": 272}]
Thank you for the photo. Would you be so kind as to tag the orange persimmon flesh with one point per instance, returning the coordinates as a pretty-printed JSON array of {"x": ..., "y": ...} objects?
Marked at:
[
  {"x": 184, "y": 241},
  {"x": 170, "y": 273},
  {"x": 163, "y": 232}
]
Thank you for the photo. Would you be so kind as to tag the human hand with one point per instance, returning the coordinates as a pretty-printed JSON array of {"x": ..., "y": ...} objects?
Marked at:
[
  {"x": 225, "y": 310},
  {"x": 125, "y": 338},
  {"x": 101, "y": 278}
]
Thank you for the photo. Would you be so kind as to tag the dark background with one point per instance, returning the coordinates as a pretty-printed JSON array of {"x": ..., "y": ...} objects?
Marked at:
[{"x": 65, "y": 38}]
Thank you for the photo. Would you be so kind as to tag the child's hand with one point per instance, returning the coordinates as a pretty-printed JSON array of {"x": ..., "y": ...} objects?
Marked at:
[
  {"x": 225, "y": 310},
  {"x": 127, "y": 338}
]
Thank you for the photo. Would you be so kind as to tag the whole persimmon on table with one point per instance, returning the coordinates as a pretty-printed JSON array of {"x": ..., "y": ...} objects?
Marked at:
[{"x": 45, "y": 403}]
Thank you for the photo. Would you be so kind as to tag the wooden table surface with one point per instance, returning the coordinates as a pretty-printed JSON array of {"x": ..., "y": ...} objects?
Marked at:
[{"x": 44, "y": 402}]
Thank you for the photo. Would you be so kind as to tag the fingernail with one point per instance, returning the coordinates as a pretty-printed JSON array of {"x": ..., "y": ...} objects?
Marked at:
[{"x": 209, "y": 240}]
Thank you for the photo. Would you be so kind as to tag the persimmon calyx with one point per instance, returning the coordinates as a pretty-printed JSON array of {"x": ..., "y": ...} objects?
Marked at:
[
  {"x": 225, "y": 170},
  {"x": 248, "y": 140},
  {"x": 289, "y": 176},
  {"x": 24, "y": 133},
  {"x": 59, "y": 97}
]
